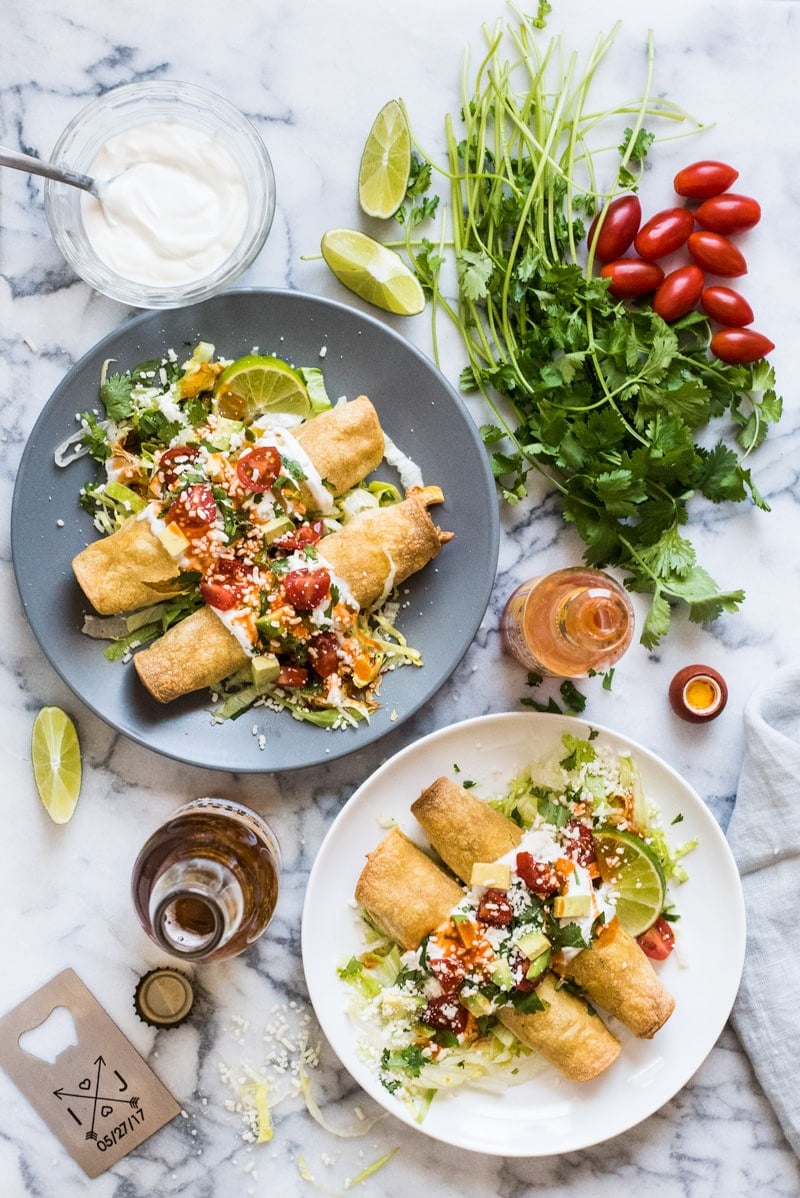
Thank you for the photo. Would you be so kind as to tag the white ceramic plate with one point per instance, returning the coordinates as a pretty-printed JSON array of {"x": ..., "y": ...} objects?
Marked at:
[{"x": 547, "y": 1115}]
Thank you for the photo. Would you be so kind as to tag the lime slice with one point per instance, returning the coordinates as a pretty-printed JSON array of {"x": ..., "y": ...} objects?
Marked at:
[
  {"x": 256, "y": 386},
  {"x": 56, "y": 759},
  {"x": 385, "y": 163},
  {"x": 632, "y": 868},
  {"x": 372, "y": 271}
]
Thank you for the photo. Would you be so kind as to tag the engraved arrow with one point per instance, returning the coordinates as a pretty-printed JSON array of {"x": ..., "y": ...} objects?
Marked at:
[{"x": 99, "y": 1062}]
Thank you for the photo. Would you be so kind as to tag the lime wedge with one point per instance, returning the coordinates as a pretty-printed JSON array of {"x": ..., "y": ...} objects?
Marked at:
[
  {"x": 257, "y": 386},
  {"x": 56, "y": 759},
  {"x": 632, "y": 868},
  {"x": 385, "y": 163},
  {"x": 375, "y": 273}
]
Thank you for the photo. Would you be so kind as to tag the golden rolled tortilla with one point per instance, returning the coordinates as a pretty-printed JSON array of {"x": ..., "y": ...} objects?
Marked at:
[
  {"x": 617, "y": 975},
  {"x": 408, "y": 896},
  {"x": 200, "y": 651},
  {"x": 130, "y": 568},
  {"x": 398, "y": 869},
  {"x": 613, "y": 972},
  {"x": 565, "y": 1033},
  {"x": 481, "y": 834}
]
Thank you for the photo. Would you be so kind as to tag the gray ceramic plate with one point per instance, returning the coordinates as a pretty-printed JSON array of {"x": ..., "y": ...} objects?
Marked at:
[{"x": 419, "y": 410}]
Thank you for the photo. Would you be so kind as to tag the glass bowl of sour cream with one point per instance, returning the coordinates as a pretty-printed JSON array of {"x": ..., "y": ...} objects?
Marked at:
[{"x": 186, "y": 201}]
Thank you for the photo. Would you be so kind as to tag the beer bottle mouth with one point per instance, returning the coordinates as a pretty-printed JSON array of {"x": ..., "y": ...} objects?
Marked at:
[{"x": 188, "y": 923}]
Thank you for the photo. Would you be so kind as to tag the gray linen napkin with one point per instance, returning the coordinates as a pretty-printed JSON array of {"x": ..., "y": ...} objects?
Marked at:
[{"x": 764, "y": 835}]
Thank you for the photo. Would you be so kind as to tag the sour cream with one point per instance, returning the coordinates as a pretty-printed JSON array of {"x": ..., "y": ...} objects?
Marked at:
[{"x": 174, "y": 208}]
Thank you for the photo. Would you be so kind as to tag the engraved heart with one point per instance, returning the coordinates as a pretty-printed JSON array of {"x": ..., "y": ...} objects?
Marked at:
[
  {"x": 105, "y": 1111},
  {"x": 86, "y": 1084}
]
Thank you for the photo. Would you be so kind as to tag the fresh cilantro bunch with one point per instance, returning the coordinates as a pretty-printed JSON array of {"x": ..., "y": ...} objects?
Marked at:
[{"x": 616, "y": 408}]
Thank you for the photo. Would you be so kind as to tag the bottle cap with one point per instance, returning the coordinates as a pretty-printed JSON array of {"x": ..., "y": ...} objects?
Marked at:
[
  {"x": 698, "y": 693},
  {"x": 164, "y": 997}
]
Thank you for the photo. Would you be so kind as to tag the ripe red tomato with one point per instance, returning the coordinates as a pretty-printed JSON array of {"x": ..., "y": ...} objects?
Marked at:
[
  {"x": 657, "y": 942},
  {"x": 663, "y": 233},
  {"x": 446, "y": 1014},
  {"x": 716, "y": 254},
  {"x": 306, "y": 588},
  {"x": 194, "y": 508},
  {"x": 304, "y": 534},
  {"x": 494, "y": 908},
  {"x": 539, "y": 876},
  {"x": 217, "y": 595},
  {"x": 679, "y": 292},
  {"x": 258, "y": 469},
  {"x": 704, "y": 179},
  {"x": 174, "y": 461},
  {"x": 740, "y": 345},
  {"x": 631, "y": 277},
  {"x": 292, "y": 676},
  {"x": 579, "y": 842},
  {"x": 726, "y": 306},
  {"x": 323, "y": 653},
  {"x": 728, "y": 213},
  {"x": 621, "y": 219},
  {"x": 448, "y": 971}
]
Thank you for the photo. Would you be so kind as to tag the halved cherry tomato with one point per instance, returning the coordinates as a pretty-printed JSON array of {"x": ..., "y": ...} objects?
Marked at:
[
  {"x": 218, "y": 595},
  {"x": 172, "y": 461},
  {"x": 704, "y": 179},
  {"x": 728, "y": 213},
  {"x": 446, "y": 1014},
  {"x": 539, "y": 876},
  {"x": 679, "y": 292},
  {"x": 306, "y": 588},
  {"x": 631, "y": 277},
  {"x": 194, "y": 508},
  {"x": 494, "y": 908},
  {"x": 292, "y": 676},
  {"x": 663, "y": 233},
  {"x": 323, "y": 653},
  {"x": 579, "y": 842},
  {"x": 304, "y": 534},
  {"x": 658, "y": 941},
  {"x": 621, "y": 220},
  {"x": 716, "y": 254},
  {"x": 740, "y": 345},
  {"x": 258, "y": 469},
  {"x": 726, "y": 306},
  {"x": 448, "y": 971}
]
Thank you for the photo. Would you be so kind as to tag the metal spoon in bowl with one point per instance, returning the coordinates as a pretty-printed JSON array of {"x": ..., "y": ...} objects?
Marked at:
[{"x": 37, "y": 166}]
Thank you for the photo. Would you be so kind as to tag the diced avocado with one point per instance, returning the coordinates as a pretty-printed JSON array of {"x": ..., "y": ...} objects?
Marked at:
[
  {"x": 223, "y": 433},
  {"x": 477, "y": 1003},
  {"x": 172, "y": 538},
  {"x": 267, "y": 627},
  {"x": 572, "y": 906},
  {"x": 264, "y": 669},
  {"x": 278, "y": 527},
  {"x": 538, "y": 965},
  {"x": 502, "y": 975},
  {"x": 491, "y": 874},
  {"x": 532, "y": 944}
]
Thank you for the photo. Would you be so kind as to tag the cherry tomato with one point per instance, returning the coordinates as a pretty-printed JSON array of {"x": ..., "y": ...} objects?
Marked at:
[
  {"x": 234, "y": 567},
  {"x": 631, "y": 277},
  {"x": 292, "y": 676},
  {"x": 539, "y": 876},
  {"x": 258, "y": 469},
  {"x": 704, "y": 179},
  {"x": 494, "y": 908},
  {"x": 448, "y": 971},
  {"x": 740, "y": 345},
  {"x": 217, "y": 595},
  {"x": 323, "y": 653},
  {"x": 304, "y": 534},
  {"x": 679, "y": 292},
  {"x": 446, "y": 1014},
  {"x": 716, "y": 254},
  {"x": 657, "y": 942},
  {"x": 306, "y": 588},
  {"x": 620, "y": 225},
  {"x": 579, "y": 843},
  {"x": 663, "y": 233},
  {"x": 728, "y": 213},
  {"x": 173, "y": 461},
  {"x": 726, "y": 306},
  {"x": 194, "y": 508}
]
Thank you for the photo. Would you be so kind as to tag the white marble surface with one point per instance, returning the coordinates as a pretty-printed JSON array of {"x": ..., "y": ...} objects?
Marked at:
[{"x": 311, "y": 74}]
